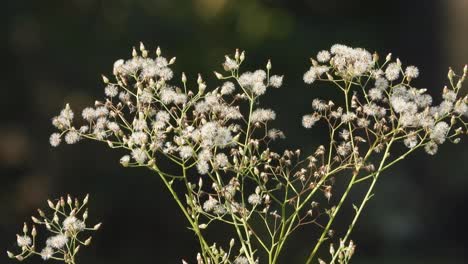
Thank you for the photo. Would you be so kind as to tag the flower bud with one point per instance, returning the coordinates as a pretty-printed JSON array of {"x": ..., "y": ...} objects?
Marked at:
[
  {"x": 97, "y": 226},
  {"x": 332, "y": 249},
  {"x": 268, "y": 66},
  {"x": 105, "y": 79},
  {"x": 375, "y": 57},
  {"x": 450, "y": 74},
  {"x": 242, "y": 56},
  {"x": 35, "y": 220},
  {"x": 388, "y": 58},
  {"x": 398, "y": 61},
  {"x": 172, "y": 61},
  {"x": 218, "y": 75},
  {"x": 85, "y": 200},
  {"x": 199, "y": 79},
  {"x": 34, "y": 231},
  {"x": 69, "y": 200},
  {"x": 158, "y": 51}
]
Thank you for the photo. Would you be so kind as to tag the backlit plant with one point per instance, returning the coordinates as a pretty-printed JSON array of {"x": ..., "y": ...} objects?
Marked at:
[
  {"x": 66, "y": 225},
  {"x": 220, "y": 139}
]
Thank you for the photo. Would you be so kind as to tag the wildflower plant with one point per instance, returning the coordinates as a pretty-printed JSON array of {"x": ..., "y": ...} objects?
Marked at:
[
  {"x": 66, "y": 225},
  {"x": 220, "y": 140}
]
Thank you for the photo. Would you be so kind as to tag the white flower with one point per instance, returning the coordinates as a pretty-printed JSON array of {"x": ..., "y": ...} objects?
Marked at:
[
  {"x": 241, "y": 260},
  {"x": 89, "y": 113},
  {"x": 262, "y": 115},
  {"x": 210, "y": 204},
  {"x": 392, "y": 72},
  {"x": 343, "y": 149},
  {"x": 55, "y": 139},
  {"x": 412, "y": 72},
  {"x": 258, "y": 88},
  {"x": 381, "y": 83},
  {"x": 431, "y": 148},
  {"x": 219, "y": 209},
  {"x": 276, "y": 81},
  {"x": 221, "y": 160},
  {"x": 309, "y": 121},
  {"x": 319, "y": 105},
  {"x": 461, "y": 108},
  {"x": 101, "y": 111},
  {"x": 254, "y": 199},
  {"x": 166, "y": 74},
  {"x": 140, "y": 124},
  {"x": 113, "y": 126},
  {"x": 118, "y": 67},
  {"x": 125, "y": 160},
  {"x": 139, "y": 155},
  {"x": 185, "y": 152},
  {"x": 275, "y": 133},
  {"x": 111, "y": 90},
  {"x": 375, "y": 94},
  {"x": 348, "y": 117},
  {"x": 450, "y": 96},
  {"x": 223, "y": 137},
  {"x": 47, "y": 253},
  {"x": 23, "y": 241},
  {"x": 411, "y": 141},
  {"x": 230, "y": 64},
  {"x": 203, "y": 167},
  {"x": 423, "y": 100},
  {"x": 227, "y": 88},
  {"x": 67, "y": 113},
  {"x": 310, "y": 76},
  {"x": 163, "y": 116},
  {"x": 444, "y": 108},
  {"x": 439, "y": 132},
  {"x": 323, "y": 56},
  {"x": 57, "y": 241},
  {"x": 167, "y": 95},
  {"x": 139, "y": 138},
  {"x": 72, "y": 137},
  {"x": 84, "y": 129},
  {"x": 73, "y": 224}
]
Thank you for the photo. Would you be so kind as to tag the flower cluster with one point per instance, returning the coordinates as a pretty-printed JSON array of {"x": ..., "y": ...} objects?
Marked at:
[
  {"x": 220, "y": 140},
  {"x": 66, "y": 224},
  {"x": 382, "y": 100}
]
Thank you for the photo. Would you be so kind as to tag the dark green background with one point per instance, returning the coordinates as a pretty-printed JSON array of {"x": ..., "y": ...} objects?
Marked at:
[{"x": 56, "y": 50}]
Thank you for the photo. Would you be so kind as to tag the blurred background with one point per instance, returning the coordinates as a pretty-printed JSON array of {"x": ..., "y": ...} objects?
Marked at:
[{"x": 56, "y": 51}]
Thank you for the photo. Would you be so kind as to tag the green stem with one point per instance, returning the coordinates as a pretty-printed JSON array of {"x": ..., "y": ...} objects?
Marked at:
[
  {"x": 332, "y": 218},
  {"x": 205, "y": 246}
]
